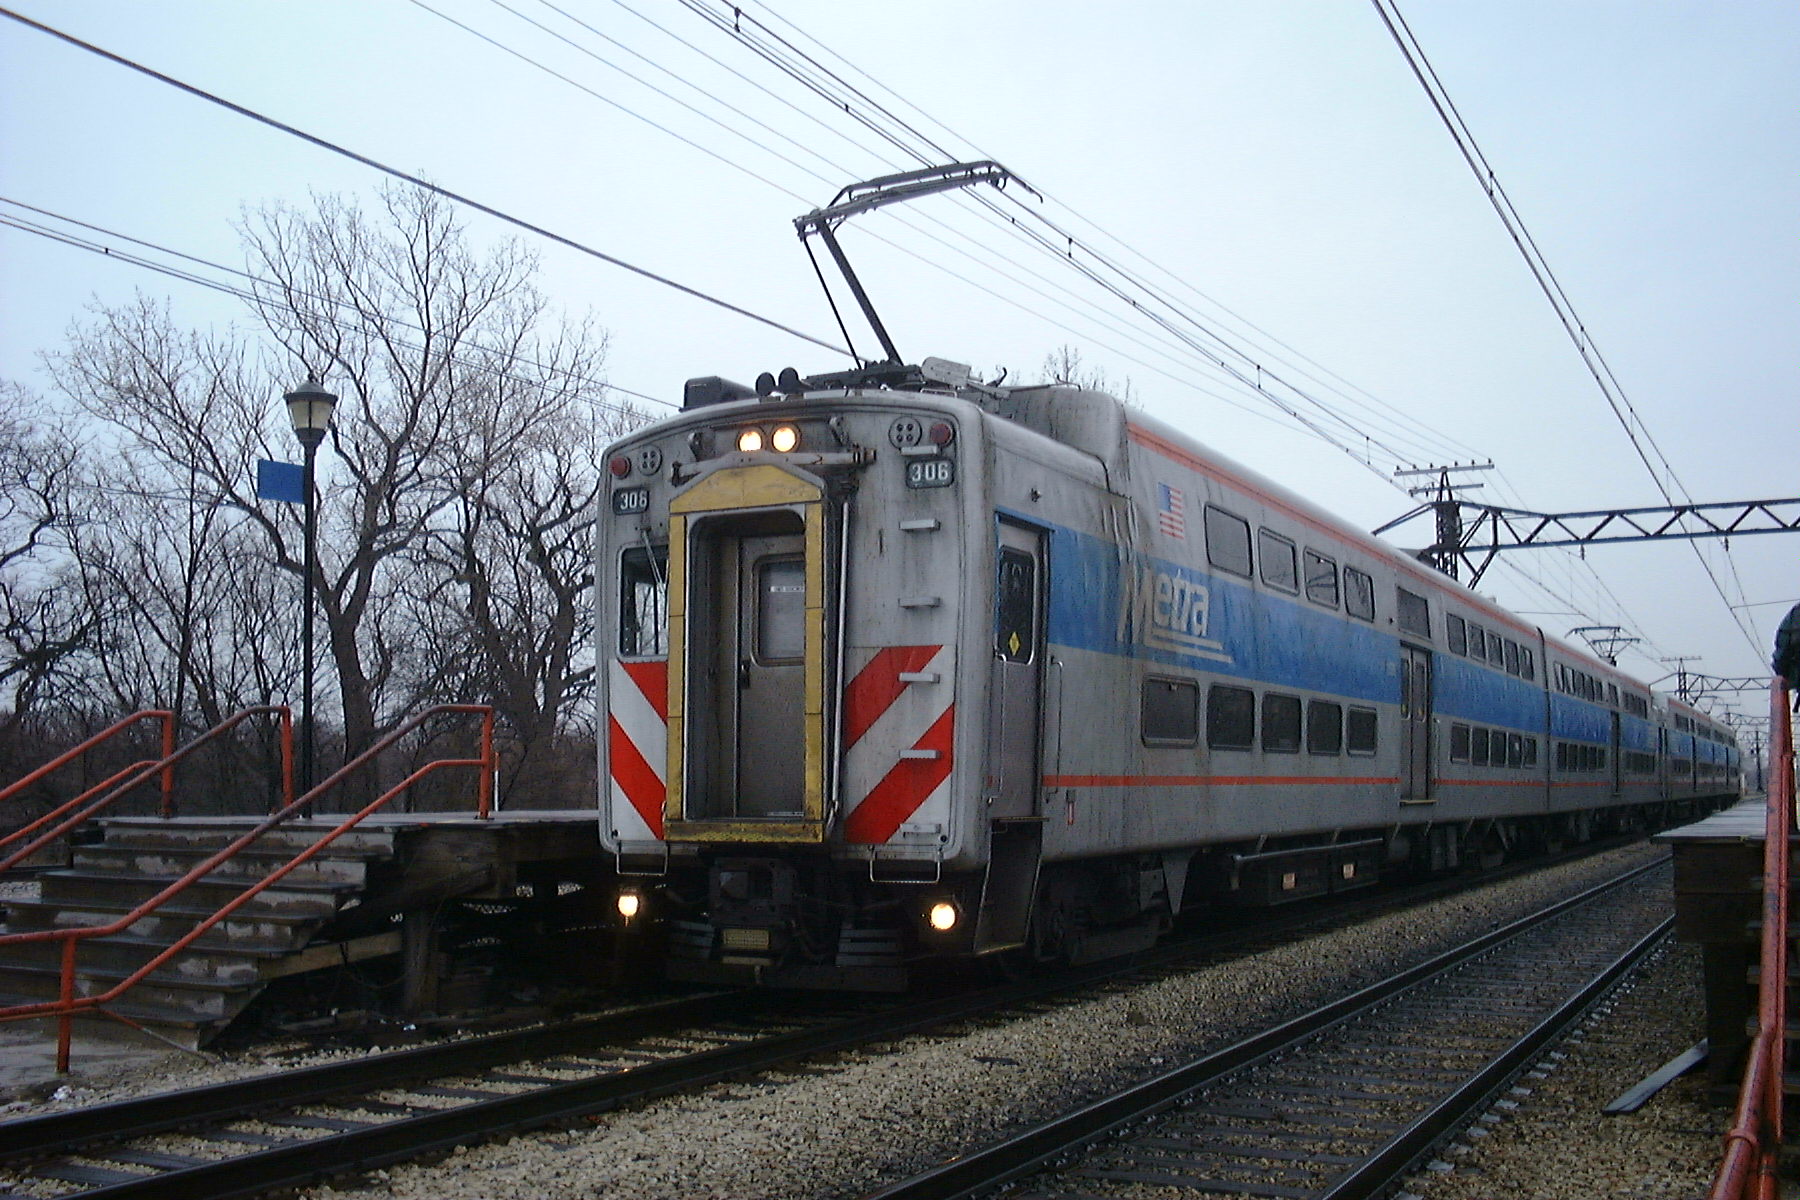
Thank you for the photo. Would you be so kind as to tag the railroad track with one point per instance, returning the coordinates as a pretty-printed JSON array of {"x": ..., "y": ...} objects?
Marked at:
[
  {"x": 1340, "y": 1102},
  {"x": 295, "y": 1128}
]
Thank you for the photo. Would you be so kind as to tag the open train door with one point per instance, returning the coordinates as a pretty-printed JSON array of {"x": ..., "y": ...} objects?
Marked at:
[{"x": 1415, "y": 724}]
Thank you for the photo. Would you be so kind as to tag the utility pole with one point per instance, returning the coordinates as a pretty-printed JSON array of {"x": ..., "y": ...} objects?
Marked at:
[{"x": 1447, "y": 510}]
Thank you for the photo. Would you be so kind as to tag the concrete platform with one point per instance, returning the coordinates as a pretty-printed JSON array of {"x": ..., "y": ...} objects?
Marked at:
[{"x": 1718, "y": 906}]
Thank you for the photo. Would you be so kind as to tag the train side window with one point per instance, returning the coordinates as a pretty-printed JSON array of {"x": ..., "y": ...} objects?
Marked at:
[
  {"x": 1478, "y": 747},
  {"x": 1171, "y": 712},
  {"x": 1496, "y": 648},
  {"x": 1415, "y": 614},
  {"x": 1526, "y": 668},
  {"x": 1230, "y": 718},
  {"x": 1359, "y": 594},
  {"x": 644, "y": 603},
  {"x": 1324, "y": 727},
  {"x": 1459, "y": 743},
  {"x": 1321, "y": 579},
  {"x": 1457, "y": 633},
  {"x": 1227, "y": 541},
  {"x": 1361, "y": 731},
  {"x": 1512, "y": 657},
  {"x": 1515, "y": 749},
  {"x": 1015, "y": 607},
  {"x": 1531, "y": 752},
  {"x": 1280, "y": 724},
  {"x": 1279, "y": 568},
  {"x": 1477, "y": 643}
]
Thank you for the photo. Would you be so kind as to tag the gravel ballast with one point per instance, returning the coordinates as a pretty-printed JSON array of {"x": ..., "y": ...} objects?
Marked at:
[{"x": 857, "y": 1120}]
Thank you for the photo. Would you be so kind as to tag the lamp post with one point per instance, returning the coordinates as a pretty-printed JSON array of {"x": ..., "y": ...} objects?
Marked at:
[{"x": 309, "y": 408}]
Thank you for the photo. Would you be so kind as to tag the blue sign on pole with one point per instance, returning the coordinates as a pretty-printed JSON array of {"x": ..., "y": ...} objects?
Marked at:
[{"x": 280, "y": 481}]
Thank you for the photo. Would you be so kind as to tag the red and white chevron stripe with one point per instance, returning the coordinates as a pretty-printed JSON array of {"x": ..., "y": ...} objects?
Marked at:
[
  {"x": 897, "y": 740},
  {"x": 637, "y": 741}
]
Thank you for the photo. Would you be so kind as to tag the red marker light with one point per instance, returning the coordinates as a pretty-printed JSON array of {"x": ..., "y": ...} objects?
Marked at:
[
  {"x": 620, "y": 466},
  {"x": 941, "y": 433}
]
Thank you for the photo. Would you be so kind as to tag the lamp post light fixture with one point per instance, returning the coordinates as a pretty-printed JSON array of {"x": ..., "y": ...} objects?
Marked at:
[{"x": 309, "y": 408}]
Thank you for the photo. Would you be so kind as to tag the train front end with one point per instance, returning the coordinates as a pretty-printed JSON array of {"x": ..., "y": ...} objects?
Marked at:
[{"x": 782, "y": 577}]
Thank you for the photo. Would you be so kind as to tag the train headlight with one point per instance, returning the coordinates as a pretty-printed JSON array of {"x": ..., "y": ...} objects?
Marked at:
[
  {"x": 630, "y": 904},
  {"x": 749, "y": 441},
  {"x": 943, "y": 916},
  {"x": 784, "y": 438}
]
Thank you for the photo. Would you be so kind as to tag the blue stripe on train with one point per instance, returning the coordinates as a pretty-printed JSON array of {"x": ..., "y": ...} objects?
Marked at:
[{"x": 1172, "y": 615}]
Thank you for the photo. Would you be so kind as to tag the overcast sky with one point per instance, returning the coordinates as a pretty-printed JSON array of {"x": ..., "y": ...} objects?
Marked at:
[{"x": 1277, "y": 158}]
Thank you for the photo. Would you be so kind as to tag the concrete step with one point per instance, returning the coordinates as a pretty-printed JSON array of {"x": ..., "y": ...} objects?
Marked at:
[
  {"x": 172, "y": 862},
  {"x": 221, "y": 963},
  {"x": 89, "y": 889},
  {"x": 157, "y": 832},
  {"x": 159, "y": 998},
  {"x": 247, "y": 929}
]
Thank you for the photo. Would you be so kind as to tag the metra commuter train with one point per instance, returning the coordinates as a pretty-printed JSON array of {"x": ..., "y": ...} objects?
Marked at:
[{"x": 899, "y": 666}]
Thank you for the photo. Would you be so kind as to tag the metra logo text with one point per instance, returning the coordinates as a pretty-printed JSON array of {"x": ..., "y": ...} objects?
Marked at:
[{"x": 1170, "y": 611}]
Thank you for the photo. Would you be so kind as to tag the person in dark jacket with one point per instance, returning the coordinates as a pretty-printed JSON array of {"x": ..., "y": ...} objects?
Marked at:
[{"x": 1787, "y": 648}]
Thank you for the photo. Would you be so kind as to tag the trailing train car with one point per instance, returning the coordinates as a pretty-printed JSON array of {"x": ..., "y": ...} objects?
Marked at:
[{"x": 899, "y": 666}]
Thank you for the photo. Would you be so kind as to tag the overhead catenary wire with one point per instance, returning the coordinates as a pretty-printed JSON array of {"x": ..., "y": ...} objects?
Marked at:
[
  {"x": 417, "y": 181},
  {"x": 250, "y": 297},
  {"x": 1636, "y": 431}
]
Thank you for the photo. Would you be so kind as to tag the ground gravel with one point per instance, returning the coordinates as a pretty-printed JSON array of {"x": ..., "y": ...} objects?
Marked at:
[
  {"x": 857, "y": 1120},
  {"x": 877, "y": 1116},
  {"x": 1554, "y": 1142}
]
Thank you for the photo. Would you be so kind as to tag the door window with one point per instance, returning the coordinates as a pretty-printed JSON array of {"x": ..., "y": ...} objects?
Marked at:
[
  {"x": 780, "y": 610},
  {"x": 1015, "y": 607}
]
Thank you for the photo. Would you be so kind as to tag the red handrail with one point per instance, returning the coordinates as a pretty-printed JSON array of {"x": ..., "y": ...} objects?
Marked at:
[
  {"x": 137, "y": 773},
  {"x": 68, "y": 756},
  {"x": 1753, "y": 1147},
  {"x": 68, "y": 1004}
]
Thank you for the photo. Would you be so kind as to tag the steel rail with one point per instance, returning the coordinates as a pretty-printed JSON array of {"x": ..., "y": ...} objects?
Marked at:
[
  {"x": 90, "y": 1131},
  {"x": 1015, "y": 1158}
]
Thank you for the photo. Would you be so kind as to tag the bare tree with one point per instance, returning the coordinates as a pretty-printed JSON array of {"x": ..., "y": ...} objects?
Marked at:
[
  {"x": 1064, "y": 365},
  {"x": 43, "y": 627},
  {"x": 453, "y": 487}
]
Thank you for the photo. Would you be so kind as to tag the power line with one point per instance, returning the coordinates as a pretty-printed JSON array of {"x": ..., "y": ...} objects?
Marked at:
[
  {"x": 416, "y": 181},
  {"x": 1622, "y": 409},
  {"x": 252, "y": 298}
]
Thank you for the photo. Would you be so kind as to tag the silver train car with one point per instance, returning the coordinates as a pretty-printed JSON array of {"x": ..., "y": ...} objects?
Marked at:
[{"x": 897, "y": 666}]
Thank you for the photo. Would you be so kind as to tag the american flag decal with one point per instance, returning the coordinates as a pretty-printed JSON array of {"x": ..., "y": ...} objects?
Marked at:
[{"x": 1171, "y": 507}]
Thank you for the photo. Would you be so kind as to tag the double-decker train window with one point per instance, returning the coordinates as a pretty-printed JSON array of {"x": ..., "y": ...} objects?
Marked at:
[
  {"x": 1321, "y": 579},
  {"x": 1496, "y": 648},
  {"x": 1359, "y": 594},
  {"x": 644, "y": 603},
  {"x": 1477, "y": 642},
  {"x": 1279, "y": 567},
  {"x": 1415, "y": 615},
  {"x": 1171, "y": 712},
  {"x": 1456, "y": 633},
  {"x": 1478, "y": 747},
  {"x": 1526, "y": 667},
  {"x": 1361, "y": 731},
  {"x": 1230, "y": 718},
  {"x": 1227, "y": 541},
  {"x": 1512, "y": 657},
  {"x": 1324, "y": 727},
  {"x": 1281, "y": 724}
]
